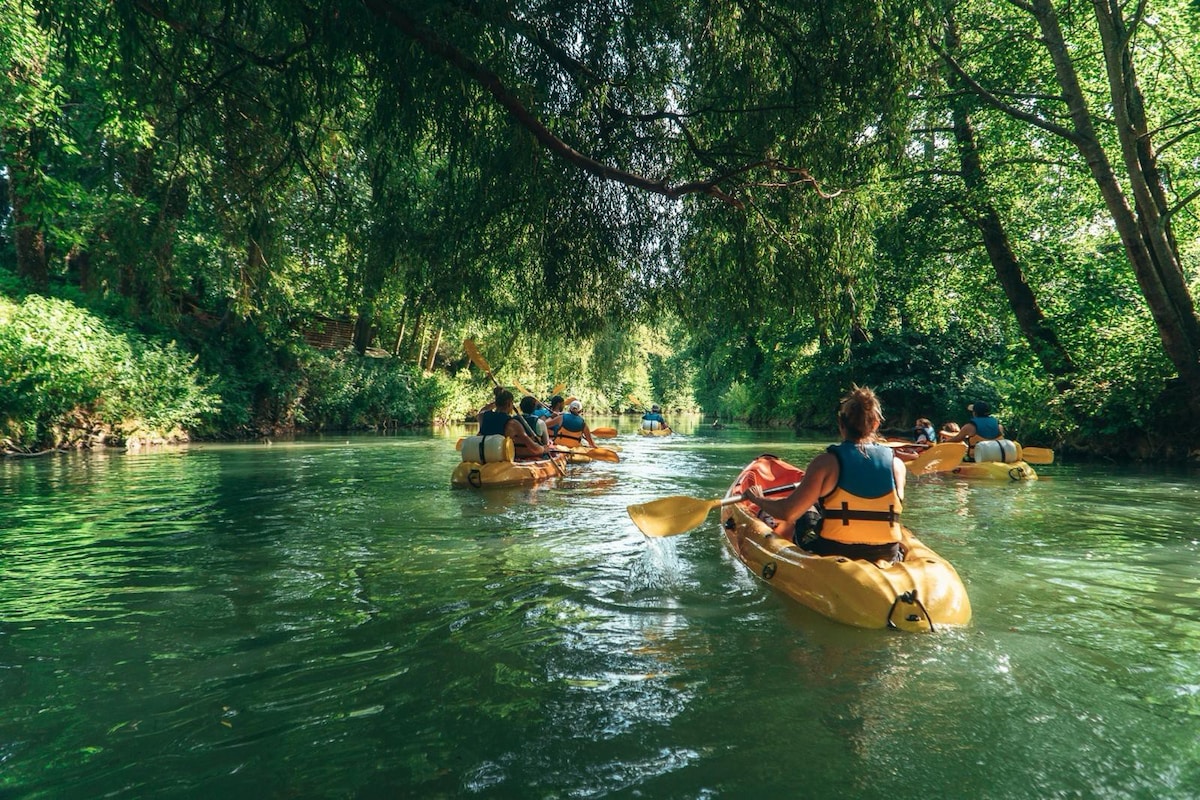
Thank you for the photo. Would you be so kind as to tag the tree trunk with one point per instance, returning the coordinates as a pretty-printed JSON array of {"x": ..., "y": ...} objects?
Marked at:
[
  {"x": 400, "y": 332},
  {"x": 1146, "y": 245},
  {"x": 418, "y": 342},
  {"x": 363, "y": 327},
  {"x": 1141, "y": 164},
  {"x": 29, "y": 235},
  {"x": 984, "y": 216},
  {"x": 437, "y": 341}
]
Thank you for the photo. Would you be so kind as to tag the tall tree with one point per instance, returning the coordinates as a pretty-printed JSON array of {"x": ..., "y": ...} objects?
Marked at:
[{"x": 1120, "y": 155}]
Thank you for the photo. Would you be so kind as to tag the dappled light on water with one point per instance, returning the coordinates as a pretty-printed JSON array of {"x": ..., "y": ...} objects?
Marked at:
[{"x": 329, "y": 618}]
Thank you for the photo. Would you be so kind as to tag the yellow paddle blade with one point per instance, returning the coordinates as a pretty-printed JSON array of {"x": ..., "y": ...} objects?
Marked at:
[
  {"x": 558, "y": 389},
  {"x": 938, "y": 458},
  {"x": 604, "y": 433},
  {"x": 669, "y": 516},
  {"x": 1034, "y": 455},
  {"x": 603, "y": 454},
  {"x": 475, "y": 356}
]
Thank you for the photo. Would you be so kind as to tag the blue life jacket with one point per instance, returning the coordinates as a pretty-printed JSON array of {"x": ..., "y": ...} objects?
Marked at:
[
  {"x": 986, "y": 427},
  {"x": 491, "y": 423},
  {"x": 570, "y": 433},
  {"x": 652, "y": 416}
]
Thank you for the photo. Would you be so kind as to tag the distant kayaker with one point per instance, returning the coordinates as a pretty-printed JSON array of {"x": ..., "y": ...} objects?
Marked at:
[
  {"x": 653, "y": 419},
  {"x": 497, "y": 419},
  {"x": 851, "y": 496},
  {"x": 574, "y": 428},
  {"x": 923, "y": 432},
  {"x": 983, "y": 427}
]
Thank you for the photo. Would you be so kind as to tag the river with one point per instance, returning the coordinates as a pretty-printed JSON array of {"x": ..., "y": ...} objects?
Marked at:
[{"x": 327, "y": 618}]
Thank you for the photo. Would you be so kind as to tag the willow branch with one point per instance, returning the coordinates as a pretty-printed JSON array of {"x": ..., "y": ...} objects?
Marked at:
[{"x": 492, "y": 83}]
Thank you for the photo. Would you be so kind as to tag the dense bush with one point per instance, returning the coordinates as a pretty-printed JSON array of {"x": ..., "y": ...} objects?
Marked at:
[
  {"x": 347, "y": 391},
  {"x": 66, "y": 374}
]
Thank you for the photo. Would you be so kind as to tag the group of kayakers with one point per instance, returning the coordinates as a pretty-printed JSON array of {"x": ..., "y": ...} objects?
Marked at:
[
  {"x": 851, "y": 496},
  {"x": 982, "y": 426},
  {"x": 540, "y": 429}
]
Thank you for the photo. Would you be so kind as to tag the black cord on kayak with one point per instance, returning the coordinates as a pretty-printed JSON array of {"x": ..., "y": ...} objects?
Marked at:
[{"x": 912, "y": 599}]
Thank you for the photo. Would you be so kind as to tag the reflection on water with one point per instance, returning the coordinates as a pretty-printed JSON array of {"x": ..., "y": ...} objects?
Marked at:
[{"x": 328, "y": 618}]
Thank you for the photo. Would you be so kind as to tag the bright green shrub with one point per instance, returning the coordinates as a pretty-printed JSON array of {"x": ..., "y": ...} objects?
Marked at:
[{"x": 64, "y": 369}]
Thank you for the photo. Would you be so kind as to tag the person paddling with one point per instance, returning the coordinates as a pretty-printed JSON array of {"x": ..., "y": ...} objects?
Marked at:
[
  {"x": 653, "y": 416},
  {"x": 496, "y": 419},
  {"x": 983, "y": 427},
  {"x": 573, "y": 428},
  {"x": 850, "y": 499}
]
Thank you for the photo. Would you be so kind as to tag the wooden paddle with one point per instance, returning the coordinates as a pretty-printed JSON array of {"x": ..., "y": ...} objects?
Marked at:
[
  {"x": 671, "y": 516},
  {"x": 478, "y": 360}
]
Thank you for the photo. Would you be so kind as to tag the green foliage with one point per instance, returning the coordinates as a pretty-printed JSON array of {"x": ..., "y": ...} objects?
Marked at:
[
  {"x": 64, "y": 371},
  {"x": 736, "y": 402},
  {"x": 346, "y": 391}
]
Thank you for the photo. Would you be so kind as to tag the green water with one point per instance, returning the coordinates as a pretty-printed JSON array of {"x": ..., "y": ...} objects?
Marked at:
[{"x": 327, "y": 618}]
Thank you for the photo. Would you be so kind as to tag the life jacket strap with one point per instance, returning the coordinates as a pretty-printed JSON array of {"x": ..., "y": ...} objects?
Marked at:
[{"x": 845, "y": 514}]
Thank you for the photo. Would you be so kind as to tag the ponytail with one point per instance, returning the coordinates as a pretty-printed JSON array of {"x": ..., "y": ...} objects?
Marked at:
[{"x": 860, "y": 414}]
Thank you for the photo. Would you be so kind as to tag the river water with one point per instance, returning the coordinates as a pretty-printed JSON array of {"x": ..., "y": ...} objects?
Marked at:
[{"x": 326, "y": 618}]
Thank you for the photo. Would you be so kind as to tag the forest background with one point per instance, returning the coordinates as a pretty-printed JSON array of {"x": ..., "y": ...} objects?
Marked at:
[{"x": 740, "y": 206}]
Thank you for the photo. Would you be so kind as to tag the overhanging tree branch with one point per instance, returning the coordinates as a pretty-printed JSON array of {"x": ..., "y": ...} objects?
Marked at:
[
  {"x": 492, "y": 83},
  {"x": 995, "y": 102}
]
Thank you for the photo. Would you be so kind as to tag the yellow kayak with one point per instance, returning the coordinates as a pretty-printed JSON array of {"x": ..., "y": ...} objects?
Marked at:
[
  {"x": 921, "y": 593},
  {"x": 502, "y": 473},
  {"x": 655, "y": 432},
  {"x": 995, "y": 470}
]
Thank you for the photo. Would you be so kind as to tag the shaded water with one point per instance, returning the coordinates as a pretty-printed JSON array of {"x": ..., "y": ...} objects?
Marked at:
[{"x": 328, "y": 619}]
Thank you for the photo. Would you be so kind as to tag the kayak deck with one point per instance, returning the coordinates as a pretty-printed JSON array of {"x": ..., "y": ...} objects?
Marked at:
[{"x": 921, "y": 593}]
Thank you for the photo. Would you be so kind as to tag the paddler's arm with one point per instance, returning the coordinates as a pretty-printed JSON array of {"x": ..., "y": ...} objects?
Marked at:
[
  {"x": 514, "y": 430},
  {"x": 900, "y": 473},
  {"x": 963, "y": 433},
  {"x": 819, "y": 480}
]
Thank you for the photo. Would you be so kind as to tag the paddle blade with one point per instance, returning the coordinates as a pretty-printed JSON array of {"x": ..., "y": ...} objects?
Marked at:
[
  {"x": 523, "y": 390},
  {"x": 458, "y": 444},
  {"x": 938, "y": 458},
  {"x": 1037, "y": 455},
  {"x": 670, "y": 516},
  {"x": 558, "y": 389},
  {"x": 476, "y": 358},
  {"x": 603, "y": 454},
  {"x": 604, "y": 433}
]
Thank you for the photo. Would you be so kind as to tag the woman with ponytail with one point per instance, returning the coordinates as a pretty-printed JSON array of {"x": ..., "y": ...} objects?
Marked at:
[{"x": 850, "y": 499}]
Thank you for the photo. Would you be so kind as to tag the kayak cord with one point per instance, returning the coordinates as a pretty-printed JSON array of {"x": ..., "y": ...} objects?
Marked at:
[{"x": 911, "y": 598}]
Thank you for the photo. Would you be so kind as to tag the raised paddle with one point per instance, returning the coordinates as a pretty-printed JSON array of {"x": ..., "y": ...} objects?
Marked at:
[
  {"x": 671, "y": 516},
  {"x": 478, "y": 360}
]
